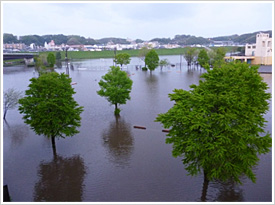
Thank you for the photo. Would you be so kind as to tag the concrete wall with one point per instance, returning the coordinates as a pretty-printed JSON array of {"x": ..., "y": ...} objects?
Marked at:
[
  {"x": 262, "y": 60},
  {"x": 250, "y": 49},
  {"x": 262, "y": 49}
]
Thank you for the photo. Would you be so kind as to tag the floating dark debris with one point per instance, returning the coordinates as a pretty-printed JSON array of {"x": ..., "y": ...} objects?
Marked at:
[{"x": 140, "y": 127}]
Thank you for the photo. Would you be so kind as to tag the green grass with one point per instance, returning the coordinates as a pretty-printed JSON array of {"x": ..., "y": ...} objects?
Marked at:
[
  {"x": 13, "y": 62},
  {"x": 110, "y": 54}
]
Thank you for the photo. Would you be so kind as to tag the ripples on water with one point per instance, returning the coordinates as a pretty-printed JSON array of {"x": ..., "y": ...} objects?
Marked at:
[{"x": 109, "y": 160}]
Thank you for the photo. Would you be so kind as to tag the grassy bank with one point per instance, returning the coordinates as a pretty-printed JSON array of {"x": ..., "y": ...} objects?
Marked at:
[
  {"x": 13, "y": 62},
  {"x": 110, "y": 54}
]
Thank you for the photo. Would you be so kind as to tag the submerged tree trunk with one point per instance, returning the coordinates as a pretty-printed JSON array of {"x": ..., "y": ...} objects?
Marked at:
[
  {"x": 53, "y": 146},
  {"x": 205, "y": 187},
  {"x": 117, "y": 110}
]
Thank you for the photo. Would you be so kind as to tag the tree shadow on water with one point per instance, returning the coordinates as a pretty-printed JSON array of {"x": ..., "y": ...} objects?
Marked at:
[
  {"x": 119, "y": 141},
  {"x": 60, "y": 180}
]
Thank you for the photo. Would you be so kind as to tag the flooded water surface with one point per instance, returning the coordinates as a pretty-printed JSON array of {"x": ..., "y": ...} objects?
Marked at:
[{"x": 109, "y": 160}]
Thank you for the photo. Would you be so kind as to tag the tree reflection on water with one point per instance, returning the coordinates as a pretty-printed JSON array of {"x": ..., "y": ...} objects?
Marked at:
[
  {"x": 60, "y": 180},
  {"x": 17, "y": 133},
  {"x": 228, "y": 191},
  {"x": 119, "y": 141}
]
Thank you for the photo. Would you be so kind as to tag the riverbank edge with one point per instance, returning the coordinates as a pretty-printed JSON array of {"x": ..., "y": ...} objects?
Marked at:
[{"x": 133, "y": 53}]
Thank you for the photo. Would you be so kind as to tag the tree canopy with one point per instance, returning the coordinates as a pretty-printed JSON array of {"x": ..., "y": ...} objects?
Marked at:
[
  {"x": 218, "y": 126},
  {"x": 115, "y": 86},
  {"x": 49, "y": 107},
  {"x": 58, "y": 56},
  {"x": 122, "y": 59},
  {"x": 189, "y": 55},
  {"x": 163, "y": 63},
  {"x": 219, "y": 56},
  {"x": 152, "y": 60},
  {"x": 9, "y": 38},
  {"x": 51, "y": 59},
  {"x": 203, "y": 58}
]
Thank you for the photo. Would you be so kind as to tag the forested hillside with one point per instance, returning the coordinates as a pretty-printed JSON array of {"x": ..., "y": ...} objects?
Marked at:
[{"x": 178, "y": 39}]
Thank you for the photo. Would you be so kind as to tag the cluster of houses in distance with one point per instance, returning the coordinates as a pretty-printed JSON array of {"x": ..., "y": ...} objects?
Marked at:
[
  {"x": 51, "y": 46},
  {"x": 258, "y": 53}
]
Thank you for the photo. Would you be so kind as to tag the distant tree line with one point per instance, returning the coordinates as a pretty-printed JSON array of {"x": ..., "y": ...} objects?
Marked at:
[
  {"x": 178, "y": 39},
  {"x": 243, "y": 39},
  {"x": 61, "y": 39}
]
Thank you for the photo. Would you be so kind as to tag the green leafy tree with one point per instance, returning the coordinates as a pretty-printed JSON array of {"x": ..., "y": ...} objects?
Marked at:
[
  {"x": 58, "y": 56},
  {"x": 51, "y": 59},
  {"x": 152, "y": 60},
  {"x": 190, "y": 55},
  {"x": 241, "y": 50},
  {"x": 122, "y": 59},
  {"x": 49, "y": 107},
  {"x": 10, "y": 100},
  {"x": 38, "y": 62},
  {"x": 211, "y": 54},
  {"x": 163, "y": 63},
  {"x": 203, "y": 58},
  {"x": 116, "y": 87},
  {"x": 218, "y": 126},
  {"x": 142, "y": 53},
  {"x": 219, "y": 56}
]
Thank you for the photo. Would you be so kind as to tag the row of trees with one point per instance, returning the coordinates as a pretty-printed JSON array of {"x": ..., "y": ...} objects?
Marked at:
[
  {"x": 46, "y": 61},
  {"x": 152, "y": 59},
  {"x": 61, "y": 39},
  {"x": 203, "y": 57},
  {"x": 192, "y": 56},
  {"x": 149, "y": 56}
]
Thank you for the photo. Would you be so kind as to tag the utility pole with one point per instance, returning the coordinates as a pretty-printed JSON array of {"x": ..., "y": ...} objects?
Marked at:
[{"x": 115, "y": 56}]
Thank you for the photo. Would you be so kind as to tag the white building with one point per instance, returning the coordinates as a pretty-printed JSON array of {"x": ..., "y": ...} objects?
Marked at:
[
  {"x": 32, "y": 46},
  {"x": 262, "y": 50},
  {"x": 46, "y": 45}
]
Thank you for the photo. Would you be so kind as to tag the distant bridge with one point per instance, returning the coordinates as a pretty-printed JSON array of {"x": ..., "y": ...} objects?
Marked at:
[{"x": 13, "y": 56}]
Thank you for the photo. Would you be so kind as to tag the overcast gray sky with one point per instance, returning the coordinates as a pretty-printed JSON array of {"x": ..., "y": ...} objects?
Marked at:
[{"x": 136, "y": 20}]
